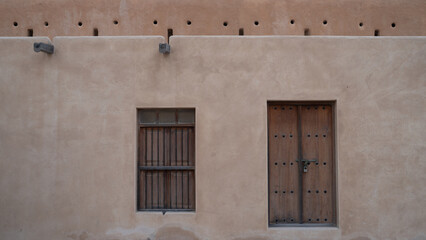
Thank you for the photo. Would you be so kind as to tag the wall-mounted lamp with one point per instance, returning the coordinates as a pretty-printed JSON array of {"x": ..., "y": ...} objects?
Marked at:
[
  {"x": 164, "y": 48},
  {"x": 44, "y": 47}
]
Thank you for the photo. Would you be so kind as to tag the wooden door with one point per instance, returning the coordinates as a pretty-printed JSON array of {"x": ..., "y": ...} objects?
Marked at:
[{"x": 301, "y": 163}]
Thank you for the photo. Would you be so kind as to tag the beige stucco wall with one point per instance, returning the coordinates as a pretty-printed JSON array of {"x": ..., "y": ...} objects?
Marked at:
[
  {"x": 68, "y": 133},
  {"x": 136, "y": 17}
]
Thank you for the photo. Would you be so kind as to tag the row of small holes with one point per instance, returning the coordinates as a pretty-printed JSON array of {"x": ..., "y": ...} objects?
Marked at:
[
  {"x": 309, "y": 135},
  {"x": 284, "y": 191},
  {"x": 291, "y": 220},
  {"x": 291, "y": 163},
  {"x": 47, "y": 23},
  {"x": 291, "y": 135},
  {"x": 314, "y": 108},
  {"x": 361, "y": 24},
  {"x": 188, "y": 22},
  {"x": 309, "y": 191},
  {"x": 316, "y": 135},
  {"x": 317, "y": 191},
  {"x": 310, "y": 220}
]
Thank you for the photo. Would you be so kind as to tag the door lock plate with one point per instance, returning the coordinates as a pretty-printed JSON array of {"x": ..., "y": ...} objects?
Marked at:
[{"x": 306, "y": 162}]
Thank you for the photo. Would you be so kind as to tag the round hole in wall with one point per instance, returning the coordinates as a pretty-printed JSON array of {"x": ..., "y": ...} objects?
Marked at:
[
  {"x": 309, "y": 191},
  {"x": 325, "y": 191},
  {"x": 316, "y": 108},
  {"x": 291, "y": 164},
  {"x": 282, "y": 108},
  {"x": 316, "y": 163},
  {"x": 283, "y": 163},
  {"x": 308, "y": 108},
  {"x": 317, "y": 191},
  {"x": 188, "y": 22},
  {"x": 324, "y": 135},
  {"x": 316, "y": 135},
  {"x": 276, "y": 191},
  {"x": 225, "y": 24},
  {"x": 309, "y": 163},
  {"x": 283, "y": 135},
  {"x": 283, "y": 191},
  {"x": 325, "y": 219},
  {"x": 15, "y": 24},
  {"x": 361, "y": 24},
  {"x": 115, "y": 22},
  {"x": 324, "y": 163},
  {"x": 276, "y": 164},
  {"x": 284, "y": 220},
  {"x": 324, "y": 22},
  {"x": 292, "y": 21},
  {"x": 46, "y": 23},
  {"x": 323, "y": 107},
  {"x": 291, "y": 191},
  {"x": 80, "y": 24},
  {"x": 291, "y": 135},
  {"x": 393, "y": 25},
  {"x": 256, "y": 23},
  {"x": 155, "y": 22},
  {"x": 310, "y": 219},
  {"x": 275, "y": 108},
  {"x": 318, "y": 219},
  {"x": 292, "y": 220},
  {"x": 309, "y": 135},
  {"x": 276, "y": 136}
]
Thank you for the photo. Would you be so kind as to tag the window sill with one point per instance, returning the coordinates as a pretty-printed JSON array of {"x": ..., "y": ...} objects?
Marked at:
[
  {"x": 165, "y": 211},
  {"x": 325, "y": 226}
]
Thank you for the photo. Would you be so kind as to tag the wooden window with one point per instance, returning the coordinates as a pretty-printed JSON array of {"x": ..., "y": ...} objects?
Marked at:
[
  {"x": 301, "y": 167},
  {"x": 166, "y": 160}
]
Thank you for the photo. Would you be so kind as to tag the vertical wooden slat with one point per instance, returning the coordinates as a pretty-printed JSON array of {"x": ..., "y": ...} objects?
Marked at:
[
  {"x": 141, "y": 194},
  {"x": 317, "y": 204},
  {"x": 283, "y": 173},
  {"x": 187, "y": 163},
  {"x": 149, "y": 190},
  {"x": 165, "y": 134},
  {"x": 326, "y": 156},
  {"x": 157, "y": 189},
  {"x": 192, "y": 190},
  {"x": 176, "y": 174},
  {"x": 273, "y": 128}
]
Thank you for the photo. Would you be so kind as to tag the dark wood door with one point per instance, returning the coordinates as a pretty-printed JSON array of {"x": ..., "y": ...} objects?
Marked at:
[{"x": 301, "y": 163}]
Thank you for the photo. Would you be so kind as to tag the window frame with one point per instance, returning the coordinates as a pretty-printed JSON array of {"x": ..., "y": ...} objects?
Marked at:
[{"x": 177, "y": 124}]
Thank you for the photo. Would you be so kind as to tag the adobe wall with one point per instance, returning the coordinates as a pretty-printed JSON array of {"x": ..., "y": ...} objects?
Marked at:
[
  {"x": 153, "y": 17},
  {"x": 68, "y": 133}
]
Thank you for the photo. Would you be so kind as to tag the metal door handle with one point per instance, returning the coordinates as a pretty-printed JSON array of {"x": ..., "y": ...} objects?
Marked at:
[{"x": 306, "y": 162}]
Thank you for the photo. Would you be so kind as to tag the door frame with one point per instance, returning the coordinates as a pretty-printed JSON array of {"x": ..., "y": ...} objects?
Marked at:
[{"x": 333, "y": 104}]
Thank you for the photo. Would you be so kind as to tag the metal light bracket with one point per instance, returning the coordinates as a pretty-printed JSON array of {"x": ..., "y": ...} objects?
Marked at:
[
  {"x": 44, "y": 47},
  {"x": 164, "y": 48}
]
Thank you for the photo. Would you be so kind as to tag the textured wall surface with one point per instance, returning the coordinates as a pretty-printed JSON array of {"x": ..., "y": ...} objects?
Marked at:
[
  {"x": 154, "y": 17},
  {"x": 68, "y": 133}
]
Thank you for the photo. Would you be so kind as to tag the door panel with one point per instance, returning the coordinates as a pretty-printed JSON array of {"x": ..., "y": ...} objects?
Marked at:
[
  {"x": 317, "y": 181},
  {"x": 283, "y": 174},
  {"x": 301, "y": 167}
]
